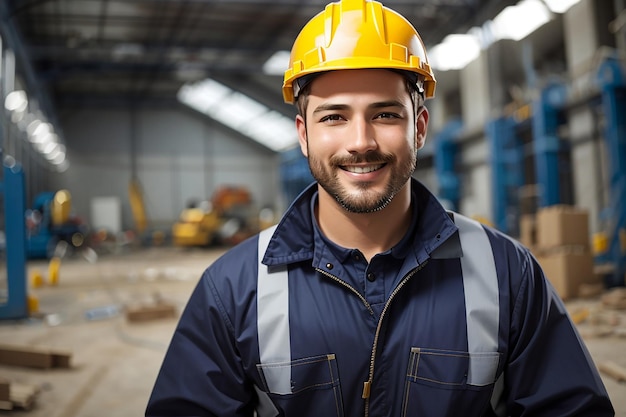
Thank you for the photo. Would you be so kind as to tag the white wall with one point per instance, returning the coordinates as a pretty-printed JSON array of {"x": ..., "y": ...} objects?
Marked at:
[
  {"x": 476, "y": 182},
  {"x": 179, "y": 156}
]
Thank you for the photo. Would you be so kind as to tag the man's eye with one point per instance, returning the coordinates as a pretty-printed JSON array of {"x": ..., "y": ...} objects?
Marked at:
[
  {"x": 331, "y": 118},
  {"x": 388, "y": 116}
]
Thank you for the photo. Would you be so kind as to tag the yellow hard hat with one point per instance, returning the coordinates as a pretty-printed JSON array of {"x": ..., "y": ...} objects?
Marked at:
[{"x": 355, "y": 34}]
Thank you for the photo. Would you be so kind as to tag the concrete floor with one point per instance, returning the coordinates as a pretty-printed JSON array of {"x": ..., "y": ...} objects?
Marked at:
[{"x": 114, "y": 362}]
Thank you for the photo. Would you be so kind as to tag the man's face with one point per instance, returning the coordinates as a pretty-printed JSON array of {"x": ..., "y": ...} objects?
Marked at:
[{"x": 361, "y": 136}]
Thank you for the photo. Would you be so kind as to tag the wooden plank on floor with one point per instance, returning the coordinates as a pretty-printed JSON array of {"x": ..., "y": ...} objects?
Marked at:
[
  {"x": 4, "y": 390},
  {"x": 6, "y": 405},
  {"x": 15, "y": 395},
  {"x": 155, "y": 311},
  {"x": 33, "y": 357},
  {"x": 23, "y": 396}
]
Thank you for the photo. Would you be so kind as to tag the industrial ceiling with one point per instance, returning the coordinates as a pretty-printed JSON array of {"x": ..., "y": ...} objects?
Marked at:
[{"x": 127, "y": 52}]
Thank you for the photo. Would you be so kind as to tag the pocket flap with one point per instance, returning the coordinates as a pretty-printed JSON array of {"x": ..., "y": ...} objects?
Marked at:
[
  {"x": 292, "y": 377},
  {"x": 453, "y": 368}
]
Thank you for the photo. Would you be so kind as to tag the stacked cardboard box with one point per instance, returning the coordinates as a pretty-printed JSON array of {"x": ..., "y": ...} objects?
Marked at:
[
  {"x": 563, "y": 249},
  {"x": 559, "y": 237},
  {"x": 528, "y": 231}
]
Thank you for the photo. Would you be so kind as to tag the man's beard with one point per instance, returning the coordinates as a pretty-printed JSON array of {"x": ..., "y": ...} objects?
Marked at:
[{"x": 364, "y": 200}]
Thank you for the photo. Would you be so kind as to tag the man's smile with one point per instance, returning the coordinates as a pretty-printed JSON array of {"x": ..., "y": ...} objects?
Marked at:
[{"x": 362, "y": 169}]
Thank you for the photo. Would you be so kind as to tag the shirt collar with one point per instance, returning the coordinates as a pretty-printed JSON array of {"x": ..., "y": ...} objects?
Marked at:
[{"x": 399, "y": 251}]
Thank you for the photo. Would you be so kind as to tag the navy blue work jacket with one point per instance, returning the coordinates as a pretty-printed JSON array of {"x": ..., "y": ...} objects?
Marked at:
[{"x": 468, "y": 326}]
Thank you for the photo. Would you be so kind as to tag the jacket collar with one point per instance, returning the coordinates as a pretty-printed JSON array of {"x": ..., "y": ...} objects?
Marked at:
[{"x": 294, "y": 238}]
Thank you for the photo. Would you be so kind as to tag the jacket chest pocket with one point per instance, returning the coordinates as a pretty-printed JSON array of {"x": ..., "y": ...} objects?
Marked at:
[
  {"x": 443, "y": 382},
  {"x": 308, "y": 386}
]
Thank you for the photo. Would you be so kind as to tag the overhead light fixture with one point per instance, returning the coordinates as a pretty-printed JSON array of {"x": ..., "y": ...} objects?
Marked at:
[
  {"x": 517, "y": 22},
  {"x": 277, "y": 64},
  {"x": 560, "y": 6},
  {"x": 514, "y": 22},
  {"x": 240, "y": 113},
  {"x": 16, "y": 101},
  {"x": 455, "y": 52},
  {"x": 40, "y": 134}
]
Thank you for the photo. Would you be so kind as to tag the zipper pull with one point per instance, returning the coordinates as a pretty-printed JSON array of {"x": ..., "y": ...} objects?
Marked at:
[{"x": 367, "y": 385}]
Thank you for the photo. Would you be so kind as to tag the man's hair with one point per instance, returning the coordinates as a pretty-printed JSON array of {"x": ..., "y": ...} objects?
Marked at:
[{"x": 413, "y": 87}]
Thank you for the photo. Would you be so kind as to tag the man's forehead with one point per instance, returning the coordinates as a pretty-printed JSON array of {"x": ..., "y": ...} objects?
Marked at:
[{"x": 368, "y": 81}]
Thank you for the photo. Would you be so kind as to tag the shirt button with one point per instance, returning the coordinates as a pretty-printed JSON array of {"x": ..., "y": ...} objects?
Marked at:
[{"x": 371, "y": 277}]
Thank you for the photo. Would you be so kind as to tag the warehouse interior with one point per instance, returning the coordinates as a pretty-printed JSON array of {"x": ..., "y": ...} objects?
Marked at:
[{"x": 141, "y": 139}]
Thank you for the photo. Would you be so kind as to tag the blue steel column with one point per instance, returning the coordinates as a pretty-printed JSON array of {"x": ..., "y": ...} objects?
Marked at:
[
  {"x": 613, "y": 85},
  {"x": 295, "y": 174},
  {"x": 446, "y": 149},
  {"x": 15, "y": 228},
  {"x": 506, "y": 172},
  {"x": 546, "y": 143}
]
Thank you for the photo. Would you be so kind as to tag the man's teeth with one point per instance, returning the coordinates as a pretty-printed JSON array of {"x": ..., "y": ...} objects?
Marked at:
[{"x": 363, "y": 169}]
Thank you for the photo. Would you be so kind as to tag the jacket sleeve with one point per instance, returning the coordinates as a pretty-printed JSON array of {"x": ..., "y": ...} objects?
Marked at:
[
  {"x": 201, "y": 374},
  {"x": 549, "y": 371}
]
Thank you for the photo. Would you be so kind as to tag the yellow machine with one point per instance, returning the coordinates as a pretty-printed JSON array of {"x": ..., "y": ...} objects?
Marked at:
[
  {"x": 196, "y": 227},
  {"x": 137, "y": 206},
  {"x": 224, "y": 219}
]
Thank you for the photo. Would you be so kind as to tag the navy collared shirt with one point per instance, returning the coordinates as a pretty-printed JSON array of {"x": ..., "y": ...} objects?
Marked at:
[{"x": 377, "y": 279}]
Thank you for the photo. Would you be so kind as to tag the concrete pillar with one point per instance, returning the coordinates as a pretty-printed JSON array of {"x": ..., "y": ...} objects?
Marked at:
[
  {"x": 475, "y": 82},
  {"x": 587, "y": 38}
]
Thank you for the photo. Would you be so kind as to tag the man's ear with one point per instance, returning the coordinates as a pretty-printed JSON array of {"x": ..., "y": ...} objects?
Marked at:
[
  {"x": 421, "y": 127},
  {"x": 302, "y": 138}
]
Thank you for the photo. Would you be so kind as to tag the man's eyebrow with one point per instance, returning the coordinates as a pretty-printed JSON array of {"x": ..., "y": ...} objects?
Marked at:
[
  {"x": 330, "y": 107},
  {"x": 390, "y": 103},
  {"x": 376, "y": 105}
]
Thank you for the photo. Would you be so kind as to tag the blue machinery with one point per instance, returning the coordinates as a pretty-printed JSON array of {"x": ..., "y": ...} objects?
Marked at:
[
  {"x": 446, "y": 149},
  {"x": 14, "y": 304},
  {"x": 547, "y": 146},
  {"x": 294, "y": 172},
  {"x": 612, "y": 83},
  {"x": 507, "y": 158},
  {"x": 507, "y": 155}
]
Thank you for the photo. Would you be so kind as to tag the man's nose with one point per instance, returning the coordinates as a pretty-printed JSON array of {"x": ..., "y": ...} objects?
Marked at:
[{"x": 362, "y": 137}]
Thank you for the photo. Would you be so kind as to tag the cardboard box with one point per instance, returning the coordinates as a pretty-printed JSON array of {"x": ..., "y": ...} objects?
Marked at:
[
  {"x": 528, "y": 230},
  {"x": 562, "y": 225},
  {"x": 567, "y": 269},
  {"x": 528, "y": 196}
]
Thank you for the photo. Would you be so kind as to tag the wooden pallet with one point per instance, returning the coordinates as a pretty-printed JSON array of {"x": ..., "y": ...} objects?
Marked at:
[{"x": 15, "y": 395}]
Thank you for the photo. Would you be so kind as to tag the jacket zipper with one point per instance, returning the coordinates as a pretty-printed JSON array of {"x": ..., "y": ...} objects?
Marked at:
[
  {"x": 336, "y": 279},
  {"x": 367, "y": 385}
]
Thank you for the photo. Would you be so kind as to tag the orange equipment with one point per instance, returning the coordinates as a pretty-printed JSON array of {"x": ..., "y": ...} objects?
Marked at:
[{"x": 224, "y": 219}]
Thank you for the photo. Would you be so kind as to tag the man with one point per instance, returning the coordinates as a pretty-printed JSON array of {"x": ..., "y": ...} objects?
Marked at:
[{"x": 368, "y": 298}]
